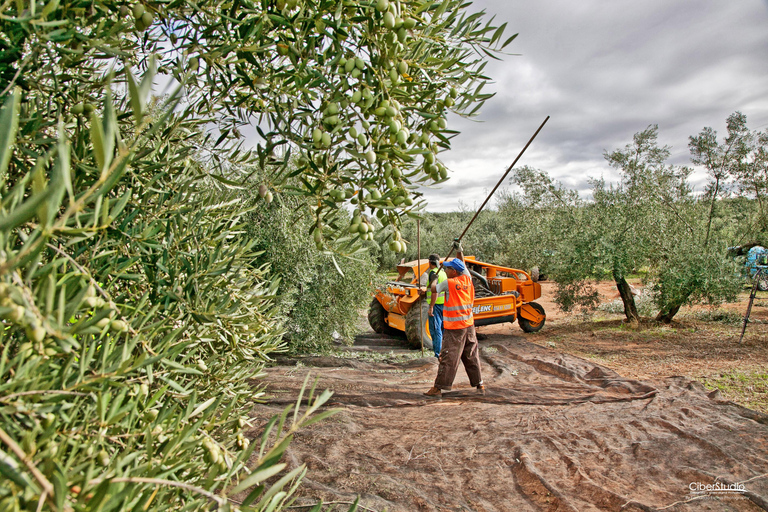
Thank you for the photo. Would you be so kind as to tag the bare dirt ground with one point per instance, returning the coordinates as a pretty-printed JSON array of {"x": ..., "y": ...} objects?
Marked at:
[{"x": 582, "y": 416}]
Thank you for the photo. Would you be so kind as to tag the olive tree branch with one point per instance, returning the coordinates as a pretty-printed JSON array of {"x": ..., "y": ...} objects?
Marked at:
[{"x": 16, "y": 449}]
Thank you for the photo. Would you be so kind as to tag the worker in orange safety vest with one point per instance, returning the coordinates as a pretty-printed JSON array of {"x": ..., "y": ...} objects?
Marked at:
[{"x": 459, "y": 338}]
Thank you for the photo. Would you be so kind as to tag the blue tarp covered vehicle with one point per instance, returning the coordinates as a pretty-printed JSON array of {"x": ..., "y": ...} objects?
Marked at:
[{"x": 757, "y": 258}]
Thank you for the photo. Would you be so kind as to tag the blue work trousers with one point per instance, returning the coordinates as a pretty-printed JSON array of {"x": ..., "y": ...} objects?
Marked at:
[{"x": 436, "y": 328}]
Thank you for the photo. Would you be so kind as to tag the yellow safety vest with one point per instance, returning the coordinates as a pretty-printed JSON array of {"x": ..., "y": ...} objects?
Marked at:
[{"x": 440, "y": 278}]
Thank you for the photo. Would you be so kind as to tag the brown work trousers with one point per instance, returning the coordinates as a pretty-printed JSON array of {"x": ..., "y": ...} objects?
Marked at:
[{"x": 459, "y": 345}]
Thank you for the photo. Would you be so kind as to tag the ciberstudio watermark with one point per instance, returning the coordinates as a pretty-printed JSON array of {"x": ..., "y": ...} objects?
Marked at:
[{"x": 719, "y": 489}]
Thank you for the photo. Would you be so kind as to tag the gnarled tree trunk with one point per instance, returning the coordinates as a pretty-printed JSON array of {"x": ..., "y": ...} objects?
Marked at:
[
  {"x": 665, "y": 315},
  {"x": 630, "y": 309}
]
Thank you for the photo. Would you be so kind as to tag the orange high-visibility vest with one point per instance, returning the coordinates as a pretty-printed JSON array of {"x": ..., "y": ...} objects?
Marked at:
[{"x": 457, "y": 311}]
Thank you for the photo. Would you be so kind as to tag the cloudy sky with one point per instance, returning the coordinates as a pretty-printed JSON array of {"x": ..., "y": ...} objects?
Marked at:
[{"x": 604, "y": 70}]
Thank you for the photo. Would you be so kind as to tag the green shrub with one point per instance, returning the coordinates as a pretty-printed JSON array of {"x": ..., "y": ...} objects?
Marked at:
[{"x": 319, "y": 293}]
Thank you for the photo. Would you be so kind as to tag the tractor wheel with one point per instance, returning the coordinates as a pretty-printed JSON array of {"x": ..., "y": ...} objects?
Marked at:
[
  {"x": 527, "y": 325},
  {"x": 762, "y": 282},
  {"x": 377, "y": 318},
  {"x": 415, "y": 328}
]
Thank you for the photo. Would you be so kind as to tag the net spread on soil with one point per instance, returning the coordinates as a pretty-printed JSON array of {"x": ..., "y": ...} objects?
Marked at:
[{"x": 553, "y": 432}]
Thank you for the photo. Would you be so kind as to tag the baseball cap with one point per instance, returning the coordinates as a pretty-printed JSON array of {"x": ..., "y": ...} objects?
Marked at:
[{"x": 455, "y": 264}]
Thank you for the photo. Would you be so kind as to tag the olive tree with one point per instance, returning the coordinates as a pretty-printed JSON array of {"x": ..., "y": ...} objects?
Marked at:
[
  {"x": 648, "y": 220},
  {"x": 133, "y": 316},
  {"x": 738, "y": 164},
  {"x": 547, "y": 225}
]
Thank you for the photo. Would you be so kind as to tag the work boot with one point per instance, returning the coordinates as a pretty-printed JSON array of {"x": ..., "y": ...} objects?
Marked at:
[
  {"x": 433, "y": 391},
  {"x": 480, "y": 389}
]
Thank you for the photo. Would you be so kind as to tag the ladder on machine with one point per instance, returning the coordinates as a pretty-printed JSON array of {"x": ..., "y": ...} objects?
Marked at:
[{"x": 758, "y": 275}]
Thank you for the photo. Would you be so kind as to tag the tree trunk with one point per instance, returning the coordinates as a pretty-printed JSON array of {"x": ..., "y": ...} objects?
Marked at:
[
  {"x": 665, "y": 315},
  {"x": 630, "y": 310}
]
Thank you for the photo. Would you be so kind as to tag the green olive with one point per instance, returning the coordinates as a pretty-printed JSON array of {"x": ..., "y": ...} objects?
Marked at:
[
  {"x": 36, "y": 334},
  {"x": 389, "y": 20},
  {"x": 147, "y": 18},
  {"x": 119, "y": 326},
  {"x": 28, "y": 444}
]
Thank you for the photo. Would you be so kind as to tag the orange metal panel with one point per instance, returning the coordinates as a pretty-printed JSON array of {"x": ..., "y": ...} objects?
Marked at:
[
  {"x": 396, "y": 321},
  {"x": 528, "y": 312},
  {"x": 490, "y": 307},
  {"x": 528, "y": 291}
]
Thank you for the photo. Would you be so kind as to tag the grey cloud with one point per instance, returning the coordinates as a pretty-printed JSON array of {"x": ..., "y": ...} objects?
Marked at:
[{"x": 604, "y": 71}]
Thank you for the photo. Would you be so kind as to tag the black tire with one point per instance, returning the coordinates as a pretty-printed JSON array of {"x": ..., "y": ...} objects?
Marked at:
[
  {"x": 412, "y": 323},
  {"x": 377, "y": 318},
  {"x": 528, "y": 326}
]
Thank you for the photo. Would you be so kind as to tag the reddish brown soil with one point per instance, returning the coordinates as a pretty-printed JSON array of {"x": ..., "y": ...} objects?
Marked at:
[{"x": 621, "y": 427}]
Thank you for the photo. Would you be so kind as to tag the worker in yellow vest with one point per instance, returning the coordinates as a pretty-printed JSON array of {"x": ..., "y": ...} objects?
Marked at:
[
  {"x": 459, "y": 339},
  {"x": 436, "y": 319}
]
